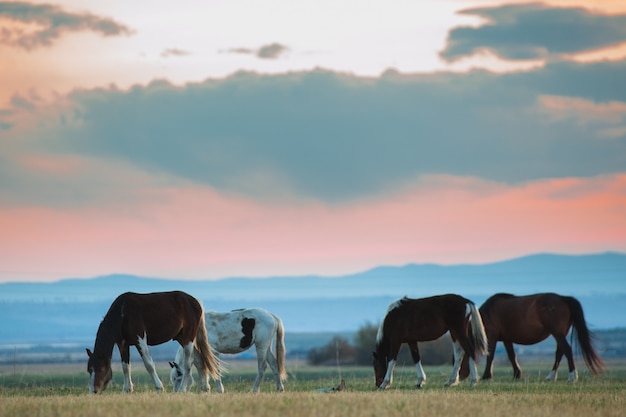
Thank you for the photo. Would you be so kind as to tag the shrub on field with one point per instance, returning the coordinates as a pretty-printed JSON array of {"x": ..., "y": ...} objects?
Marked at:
[{"x": 436, "y": 352}]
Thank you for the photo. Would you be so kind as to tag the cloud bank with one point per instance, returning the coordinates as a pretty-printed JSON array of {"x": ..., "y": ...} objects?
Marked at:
[
  {"x": 337, "y": 137},
  {"x": 535, "y": 31},
  {"x": 50, "y": 22}
]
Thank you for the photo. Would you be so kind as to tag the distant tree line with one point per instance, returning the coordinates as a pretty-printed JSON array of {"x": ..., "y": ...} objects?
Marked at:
[{"x": 340, "y": 351}]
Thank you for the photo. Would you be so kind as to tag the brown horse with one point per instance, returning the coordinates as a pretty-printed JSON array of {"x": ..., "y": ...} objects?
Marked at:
[
  {"x": 143, "y": 320},
  {"x": 530, "y": 319},
  {"x": 417, "y": 320}
]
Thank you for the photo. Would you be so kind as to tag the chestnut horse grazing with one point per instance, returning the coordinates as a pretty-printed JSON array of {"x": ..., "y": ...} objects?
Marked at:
[
  {"x": 530, "y": 319},
  {"x": 143, "y": 320},
  {"x": 418, "y": 320},
  {"x": 237, "y": 331}
]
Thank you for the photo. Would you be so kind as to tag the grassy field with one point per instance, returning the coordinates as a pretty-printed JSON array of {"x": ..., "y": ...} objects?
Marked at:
[{"x": 62, "y": 391}]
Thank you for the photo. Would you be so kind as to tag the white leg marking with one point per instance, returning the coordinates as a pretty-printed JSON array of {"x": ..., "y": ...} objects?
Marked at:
[
  {"x": 458, "y": 357},
  {"x": 261, "y": 354},
  {"x": 573, "y": 376},
  {"x": 271, "y": 360},
  {"x": 552, "y": 375},
  {"x": 421, "y": 375},
  {"x": 389, "y": 375},
  {"x": 149, "y": 363},
  {"x": 128, "y": 383},
  {"x": 473, "y": 372},
  {"x": 187, "y": 360},
  {"x": 92, "y": 378},
  {"x": 203, "y": 385}
]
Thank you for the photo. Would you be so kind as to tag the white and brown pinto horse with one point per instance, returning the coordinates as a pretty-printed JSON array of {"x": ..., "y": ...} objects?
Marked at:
[
  {"x": 143, "y": 320},
  {"x": 418, "y": 320},
  {"x": 237, "y": 331}
]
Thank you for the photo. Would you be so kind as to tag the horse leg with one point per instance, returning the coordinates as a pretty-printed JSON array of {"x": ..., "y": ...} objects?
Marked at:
[
  {"x": 261, "y": 355},
  {"x": 188, "y": 360},
  {"x": 510, "y": 351},
  {"x": 144, "y": 352},
  {"x": 203, "y": 385},
  {"x": 391, "y": 365},
  {"x": 415, "y": 354},
  {"x": 459, "y": 352},
  {"x": 219, "y": 387},
  {"x": 558, "y": 355},
  {"x": 565, "y": 347},
  {"x": 271, "y": 360},
  {"x": 125, "y": 355},
  {"x": 489, "y": 363}
]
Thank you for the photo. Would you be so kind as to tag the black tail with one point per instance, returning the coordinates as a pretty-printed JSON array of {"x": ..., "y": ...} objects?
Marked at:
[{"x": 584, "y": 336}]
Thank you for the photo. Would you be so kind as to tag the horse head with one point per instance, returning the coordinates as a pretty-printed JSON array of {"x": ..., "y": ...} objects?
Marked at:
[
  {"x": 100, "y": 373},
  {"x": 176, "y": 375},
  {"x": 380, "y": 363}
]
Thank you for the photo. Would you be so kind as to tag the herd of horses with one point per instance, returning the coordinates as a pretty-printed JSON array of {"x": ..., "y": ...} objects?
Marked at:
[{"x": 143, "y": 320}]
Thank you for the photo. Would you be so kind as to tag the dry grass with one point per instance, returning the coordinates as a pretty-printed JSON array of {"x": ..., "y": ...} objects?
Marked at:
[
  {"x": 66, "y": 395},
  {"x": 305, "y": 404}
]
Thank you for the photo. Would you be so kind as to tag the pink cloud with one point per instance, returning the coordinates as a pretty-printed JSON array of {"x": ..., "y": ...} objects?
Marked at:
[{"x": 193, "y": 232}]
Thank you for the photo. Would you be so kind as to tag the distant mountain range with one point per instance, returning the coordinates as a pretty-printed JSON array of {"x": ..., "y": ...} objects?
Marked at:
[{"x": 72, "y": 308}]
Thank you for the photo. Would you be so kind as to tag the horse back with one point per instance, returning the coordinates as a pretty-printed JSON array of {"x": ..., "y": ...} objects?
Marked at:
[
  {"x": 237, "y": 330},
  {"x": 160, "y": 317},
  {"x": 525, "y": 320},
  {"x": 423, "y": 319}
]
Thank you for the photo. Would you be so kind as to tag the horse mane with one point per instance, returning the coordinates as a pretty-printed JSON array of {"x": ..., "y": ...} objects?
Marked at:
[
  {"x": 393, "y": 306},
  {"x": 489, "y": 304},
  {"x": 109, "y": 330}
]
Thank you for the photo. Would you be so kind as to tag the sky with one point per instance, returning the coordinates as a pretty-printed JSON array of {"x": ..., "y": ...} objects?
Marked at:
[{"x": 222, "y": 138}]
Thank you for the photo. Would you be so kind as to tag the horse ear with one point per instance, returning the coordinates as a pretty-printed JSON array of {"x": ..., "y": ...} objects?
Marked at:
[
  {"x": 89, "y": 353},
  {"x": 172, "y": 365}
]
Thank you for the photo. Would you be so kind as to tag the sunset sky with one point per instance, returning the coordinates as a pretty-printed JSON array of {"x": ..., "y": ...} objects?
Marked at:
[{"x": 218, "y": 138}]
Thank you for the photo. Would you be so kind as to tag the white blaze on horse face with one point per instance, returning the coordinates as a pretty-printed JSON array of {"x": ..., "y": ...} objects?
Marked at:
[{"x": 92, "y": 379}]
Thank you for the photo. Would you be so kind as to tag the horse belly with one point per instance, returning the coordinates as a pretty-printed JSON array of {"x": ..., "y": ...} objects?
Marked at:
[
  {"x": 524, "y": 335},
  {"x": 228, "y": 341}
]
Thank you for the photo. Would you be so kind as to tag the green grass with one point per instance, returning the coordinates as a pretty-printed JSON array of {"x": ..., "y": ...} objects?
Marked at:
[{"x": 63, "y": 393}]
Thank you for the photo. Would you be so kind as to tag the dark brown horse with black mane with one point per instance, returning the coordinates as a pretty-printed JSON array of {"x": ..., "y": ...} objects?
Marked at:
[
  {"x": 418, "y": 320},
  {"x": 528, "y": 320},
  {"x": 143, "y": 320}
]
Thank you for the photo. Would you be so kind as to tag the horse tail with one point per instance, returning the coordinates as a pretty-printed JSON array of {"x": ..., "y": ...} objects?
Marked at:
[
  {"x": 280, "y": 348},
  {"x": 584, "y": 336},
  {"x": 210, "y": 363},
  {"x": 478, "y": 336}
]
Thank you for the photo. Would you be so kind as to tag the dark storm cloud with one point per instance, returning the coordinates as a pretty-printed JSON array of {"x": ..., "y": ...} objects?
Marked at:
[
  {"x": 535, "y": 31},
  {"x": 52, "y": 21}
]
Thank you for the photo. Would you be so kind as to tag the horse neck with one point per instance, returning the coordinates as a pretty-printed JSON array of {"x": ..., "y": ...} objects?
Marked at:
[
  {"x": 382, "y": 340},
  {"x": 108, "y": 333}
]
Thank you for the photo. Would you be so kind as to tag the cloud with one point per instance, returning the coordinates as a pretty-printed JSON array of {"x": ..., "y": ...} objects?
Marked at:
[
  {"x": 271, "y": 51},
  {"x": 535, "y": 31},
  {"x": 50, "y": 23},
  {"x": 337, "y": 137},
  {"x": 174, "y": 52}
]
